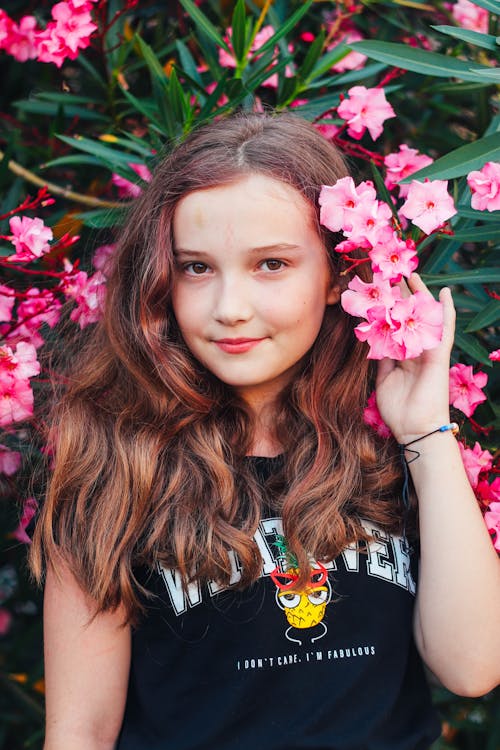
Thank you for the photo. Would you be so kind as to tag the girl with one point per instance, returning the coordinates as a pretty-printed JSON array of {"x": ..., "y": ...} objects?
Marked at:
[{"x": 225, "y": 565}]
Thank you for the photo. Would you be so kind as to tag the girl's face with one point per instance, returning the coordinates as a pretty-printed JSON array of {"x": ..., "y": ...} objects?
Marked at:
[{"x": 252, "y": 282}]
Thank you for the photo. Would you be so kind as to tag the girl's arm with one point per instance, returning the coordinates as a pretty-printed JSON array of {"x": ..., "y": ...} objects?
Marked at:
[
  {"x": 86, "y": 668},
  {"x": 457, "y": 614}
]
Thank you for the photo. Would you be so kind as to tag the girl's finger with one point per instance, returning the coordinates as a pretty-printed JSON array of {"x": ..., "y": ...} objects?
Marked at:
[
  {"x": 449, "y": 316},
  {"x": 417, "y": 285},
  {"x": 385, "y": 367}
]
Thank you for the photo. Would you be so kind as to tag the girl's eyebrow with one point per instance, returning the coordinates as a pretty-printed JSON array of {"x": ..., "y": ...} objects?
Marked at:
[{"x": 281, "y": 246}]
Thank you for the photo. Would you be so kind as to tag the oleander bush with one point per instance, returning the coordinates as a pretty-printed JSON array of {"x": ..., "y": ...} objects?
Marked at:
[{"x": 94, "y": 91}]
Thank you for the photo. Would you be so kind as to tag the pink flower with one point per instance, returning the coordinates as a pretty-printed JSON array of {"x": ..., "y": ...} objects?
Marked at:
[
  {"x": 16, "y": 397},
  {"x": 475, "y": 461},
  {"x": 353, "y": 60},
  {"x": 428, "y": 204},
  {"x": 469, "y": 16},
  {"x": 5, "y": 621},
  {"x": 67, "y": 34},
  {"x": 88, "y": 293},
  {"x": 486, "y": 492},
  {"x": 102, "y": 257},
  {"x": 420, "y": 323},
  {"x": 21, "y": 39},
  {"x": 74, "y": 26},
  {"x": 21, "y": 365},
  {"x": 485, "y": 187},
  {"x": 327, "y": 130},
  {"x": 6, "y": 25},
  {"x": 39, "y": 307},
  {"x": 10, "y": 461},
  {"x": 228, "y": 59},
  {"x": 379, "y": 331},
  {"x": 494, "y": 356},
  {"x": 16, "y": 400},
  {"x": 372, "y": 417},
  {"x": 492, "y": 521},
  {"x": 338, "y": 202},
  {"x": 30, "y": 237},
  {"x": 392, "y": 256},
  {"x": 465, "y": 388},
  {"x": 6, "y": 302},
  {"x": 128, "y": 189},
  {"x": 29, "y": 510},
  {"x": 401, "y": 164},
  {"x": 368, "y": 222},
  {"x": 365, "y": 108},
  {"x": 360, "y": 296}
]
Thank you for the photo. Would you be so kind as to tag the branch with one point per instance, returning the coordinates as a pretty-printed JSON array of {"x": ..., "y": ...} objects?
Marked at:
[{"x": 87, "y": 200}]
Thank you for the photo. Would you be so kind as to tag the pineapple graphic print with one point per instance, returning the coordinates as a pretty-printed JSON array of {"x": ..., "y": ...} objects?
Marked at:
[{"x": 304, "y": 608}]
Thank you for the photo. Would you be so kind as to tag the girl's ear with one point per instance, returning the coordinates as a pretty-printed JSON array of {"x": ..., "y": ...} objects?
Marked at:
[{"x": 333, "y": 293}]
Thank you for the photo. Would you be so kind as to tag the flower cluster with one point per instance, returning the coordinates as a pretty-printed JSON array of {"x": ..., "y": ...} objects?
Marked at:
[
  {"x": 365, "y": 109},
  {"x": 485, "y": 187},
  {"x": 395, "y": 326},
  {"x": 16, "y": 396},
  {"x": 63, "y": 37},
  {"x": 470, "y": 16},
  {"x": 24, "y": 313}
]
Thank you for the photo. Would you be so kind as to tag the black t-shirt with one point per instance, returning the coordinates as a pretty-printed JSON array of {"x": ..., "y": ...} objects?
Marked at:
[{"x": 267, "y": 668}]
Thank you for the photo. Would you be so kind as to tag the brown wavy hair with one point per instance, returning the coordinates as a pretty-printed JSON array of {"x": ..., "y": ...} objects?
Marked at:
[{"x": 150, "y": 447}]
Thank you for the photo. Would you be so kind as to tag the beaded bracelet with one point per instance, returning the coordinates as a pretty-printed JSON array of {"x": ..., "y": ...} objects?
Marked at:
[{"x": 451, "y": 427}]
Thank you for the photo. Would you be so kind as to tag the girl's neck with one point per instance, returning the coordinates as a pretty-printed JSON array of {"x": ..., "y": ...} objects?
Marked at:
[{"x": 265, "y": 442}]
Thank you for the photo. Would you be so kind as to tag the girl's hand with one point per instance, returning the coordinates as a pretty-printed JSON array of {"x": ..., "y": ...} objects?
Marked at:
[{"x": 413, "y": 394}]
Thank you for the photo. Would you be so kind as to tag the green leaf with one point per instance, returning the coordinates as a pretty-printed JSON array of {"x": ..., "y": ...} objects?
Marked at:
[
  {"x": 471, "y": 346},
  {"x": 287, "y": 26},
  {"x": 73, "y": 159},
  {"x": 487, "y": 317},
  {"x": 489, "y": 74},
  {"x": 187, "y": 62},
  {"x": 134, "y": 143},
  {"x": 111, "y": 155},
  {"x": 102, "y": 218},
  {"x": 177, "y": 98},
  {"x": 486, "y": 41},
  {"x": 312, "y": 56},
  {"x": 287, "y": 90},
  {"x": 477, "y": 234},
  {"x": 461, "y": 161},
  {"x": 351, "y": 76},
  {"x": 419, "y": 60},
  {"x": 474, "y": 276},
  {"x": 204, "y": 23},
  {"x": 469, "y": 213},
  {"x": 158, "y": 75},
  {"x": 329, "y": 59},
  {"x": 63, "y": 98},
  {"x": 490, "y": 5},
  {"x": 238, "y": 26},
  {"x": 382, "y": 190},
  {"x": 37, "y": 107}
]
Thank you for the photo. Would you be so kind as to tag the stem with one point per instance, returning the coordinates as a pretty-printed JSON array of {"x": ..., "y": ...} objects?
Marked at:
[
  {"x": 32, "y": 271},
  {"x": 260, "y": 20},
  {"x": 86, "y": 200}
]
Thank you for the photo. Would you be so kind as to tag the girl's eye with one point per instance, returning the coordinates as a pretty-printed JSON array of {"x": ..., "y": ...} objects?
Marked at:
[
  {"x": 196, "y": 268},
  {"x": 273, "y": 264}
]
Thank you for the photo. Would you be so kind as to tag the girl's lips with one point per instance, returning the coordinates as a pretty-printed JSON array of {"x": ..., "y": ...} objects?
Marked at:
[{"x": 237, "y": 346}]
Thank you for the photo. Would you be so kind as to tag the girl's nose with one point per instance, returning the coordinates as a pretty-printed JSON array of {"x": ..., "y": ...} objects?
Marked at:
[{"x": 232, "y": 304}]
